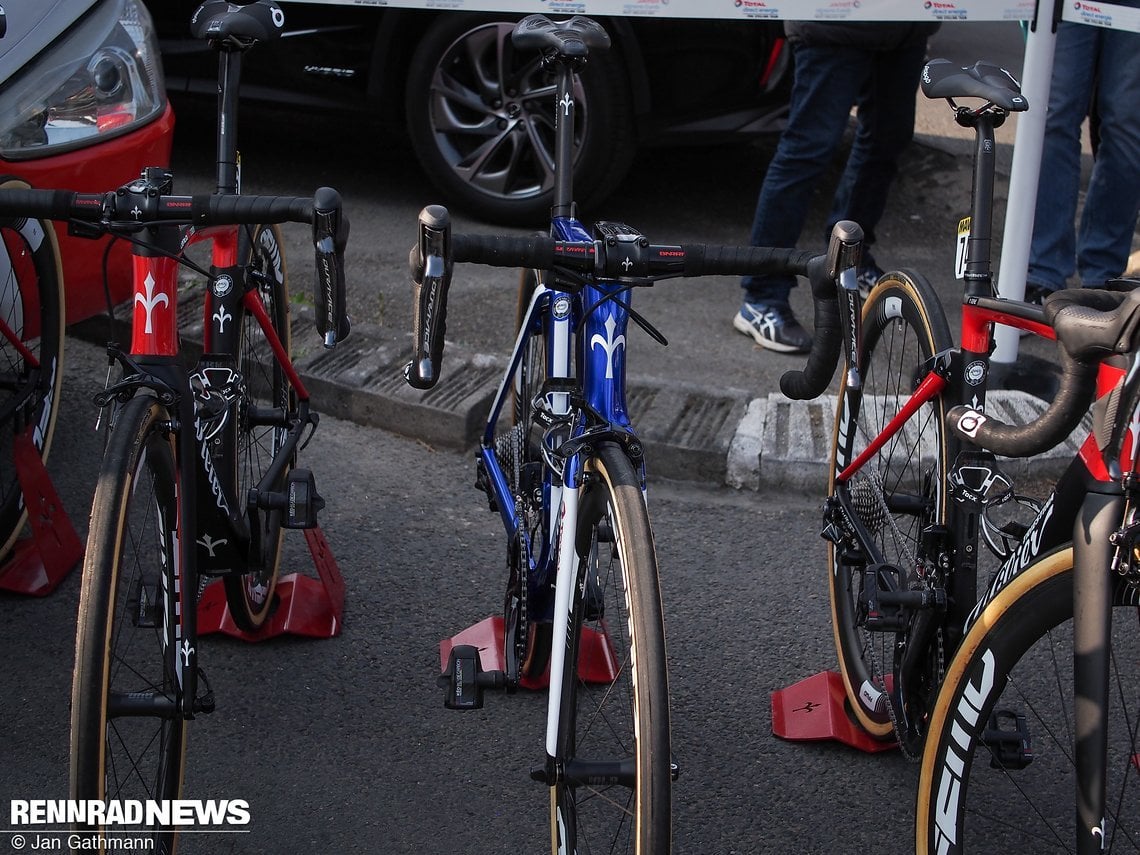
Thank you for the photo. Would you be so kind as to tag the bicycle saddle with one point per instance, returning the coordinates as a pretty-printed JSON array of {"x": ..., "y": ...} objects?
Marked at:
[
  {"x": 941, "y": 78},
  {"x": 221, "y": 20},
  {"x": 572, "y": 38}
]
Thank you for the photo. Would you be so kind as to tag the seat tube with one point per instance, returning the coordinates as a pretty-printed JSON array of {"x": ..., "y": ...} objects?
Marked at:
[
  {"x": 1092, "y": 615},
  {"x": 560, "y": 349}
]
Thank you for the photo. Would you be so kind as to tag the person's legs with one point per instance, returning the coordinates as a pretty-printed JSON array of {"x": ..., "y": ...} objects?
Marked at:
[
  {"x": 1108, "y": 220},
  {"x": 885, "y": 128},
  {"x": 827, "y": 82},
  {"x": 1052, "y": 249}
]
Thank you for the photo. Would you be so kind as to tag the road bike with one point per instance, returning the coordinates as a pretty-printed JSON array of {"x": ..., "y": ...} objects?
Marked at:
[
  {"x": 31, "y": 354},
  {"x": 1032, "y": 740},
  {"x": 561, "y": 463},
  {"x": 909, "y": 506},
  {"x": 917, "y": 488},
  {"x": 199, "y": 478}
]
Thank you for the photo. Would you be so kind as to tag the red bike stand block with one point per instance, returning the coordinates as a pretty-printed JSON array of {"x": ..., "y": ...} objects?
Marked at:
[
  {"x": 596, "y": 662},
  {"x": 305, "y": 606},
  {"x": 816, "y": 709},
  {"x": 39, "y": 562}
]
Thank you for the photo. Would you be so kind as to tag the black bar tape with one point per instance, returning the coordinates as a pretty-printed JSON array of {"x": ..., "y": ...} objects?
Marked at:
[
  {"x": 1050, "y": 429},
  {"x": 712, "y": 260},
  {"x": 814, "y": 378},
  {"x": 499, "y": 251},
  {"x": 233, "y": 210},
  {"x": 47, "y": 204}
]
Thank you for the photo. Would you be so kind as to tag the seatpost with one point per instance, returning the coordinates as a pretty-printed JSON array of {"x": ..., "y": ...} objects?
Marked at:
[
  {"x": 229, "y": 82},
  {"x": 564, "y": 116},
  {"x": 979, "y": 272}
]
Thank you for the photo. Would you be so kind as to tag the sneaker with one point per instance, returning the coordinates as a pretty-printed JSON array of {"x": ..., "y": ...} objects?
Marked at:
[
  {"x": 773, "y": 327},
  {"x": 867, "y": 276}
]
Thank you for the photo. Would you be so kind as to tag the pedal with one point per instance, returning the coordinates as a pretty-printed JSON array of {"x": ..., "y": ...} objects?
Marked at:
[
  {"x": 465, "y": 681},
  {"x": 299, "y": 500},
  {"x": 1007, "y": 737}
]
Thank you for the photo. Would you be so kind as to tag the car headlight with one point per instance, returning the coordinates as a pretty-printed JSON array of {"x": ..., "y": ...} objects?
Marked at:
[{"x": 101, "y": 79}]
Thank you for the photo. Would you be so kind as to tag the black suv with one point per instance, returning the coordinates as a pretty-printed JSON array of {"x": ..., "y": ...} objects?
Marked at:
[{"x": 479, "y": 115}]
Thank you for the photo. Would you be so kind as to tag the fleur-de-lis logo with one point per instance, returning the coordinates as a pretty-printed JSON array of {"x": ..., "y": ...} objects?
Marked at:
[
  {"x": 150, "y": 301},
  {"x": 566, "y": 103},
  {"x": 628, "y": 263},
  {"x": 609, "y": 345},
  {"x": 210, "y": 543},
  {"x": 187, "y": 650},
  {"x": 221, "y": 316}
]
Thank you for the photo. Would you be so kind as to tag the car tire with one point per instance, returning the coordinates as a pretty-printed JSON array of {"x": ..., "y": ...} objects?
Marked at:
[{"x": 488, "y": 144}]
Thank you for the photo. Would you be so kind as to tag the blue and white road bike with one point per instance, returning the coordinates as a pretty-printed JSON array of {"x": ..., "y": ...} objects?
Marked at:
[{"x": 562, "y": 465}]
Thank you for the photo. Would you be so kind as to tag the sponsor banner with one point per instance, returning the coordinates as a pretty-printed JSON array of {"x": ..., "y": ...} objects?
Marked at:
[
  {"x": 786, "y": 10},
  {"x": 1108, "y": 15}
]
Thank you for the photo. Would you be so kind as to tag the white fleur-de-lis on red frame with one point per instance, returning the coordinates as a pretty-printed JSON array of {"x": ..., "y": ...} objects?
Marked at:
[{"x": 150, "y": 301}]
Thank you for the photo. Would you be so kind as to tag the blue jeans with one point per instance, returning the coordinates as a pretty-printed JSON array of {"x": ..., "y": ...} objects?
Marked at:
[
  {"x": 828, "y": 81},
  {"x": 1107, "y": 62}
]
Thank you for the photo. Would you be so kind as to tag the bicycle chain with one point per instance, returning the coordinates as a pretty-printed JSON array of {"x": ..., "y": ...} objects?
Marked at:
[
  {"x": 882, "y": 513},
  {"x": 508, "y": 449}
]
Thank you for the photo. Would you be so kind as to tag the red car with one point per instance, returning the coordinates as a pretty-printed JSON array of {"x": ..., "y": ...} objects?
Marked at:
[{"x": 82, "y": 107}]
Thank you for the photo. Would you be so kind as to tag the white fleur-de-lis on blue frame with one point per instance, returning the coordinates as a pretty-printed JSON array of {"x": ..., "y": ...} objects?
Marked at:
[{"x": 609, "y": 344}]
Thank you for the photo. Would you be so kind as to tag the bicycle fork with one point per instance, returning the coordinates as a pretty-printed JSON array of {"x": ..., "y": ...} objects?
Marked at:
[{"x": 1093, "y": 550}]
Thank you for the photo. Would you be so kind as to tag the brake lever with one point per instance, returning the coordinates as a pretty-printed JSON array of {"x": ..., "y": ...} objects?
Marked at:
[
  {"x": 844, "y": 252},
  {"x": 431, "y": 267},
  {"x": 330, "y": 237}
]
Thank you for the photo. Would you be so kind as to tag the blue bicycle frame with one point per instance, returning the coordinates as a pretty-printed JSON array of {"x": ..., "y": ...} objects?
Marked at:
[{"x": 585, "y": 336}]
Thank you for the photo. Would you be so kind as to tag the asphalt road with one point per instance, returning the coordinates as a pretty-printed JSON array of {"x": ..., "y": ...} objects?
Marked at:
[{"x": 343, "y": 745}]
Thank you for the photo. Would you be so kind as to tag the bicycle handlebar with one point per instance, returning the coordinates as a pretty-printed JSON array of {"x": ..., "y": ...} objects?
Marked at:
[
  {"x": 1091, "y": 325},
  {"x": 140, "y": 204},
  {"x": 618, "y": 255},
  {"x": 843, "y": 251}
]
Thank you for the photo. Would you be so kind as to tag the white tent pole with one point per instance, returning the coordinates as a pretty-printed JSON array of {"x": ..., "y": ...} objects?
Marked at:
[{"x": 1035, "y": 77}]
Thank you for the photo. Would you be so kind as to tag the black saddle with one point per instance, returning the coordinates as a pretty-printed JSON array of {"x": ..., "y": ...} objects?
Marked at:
[
  {"x": 573, "y": 38},
  {"x": 220, "y": 20},
  {"x": 942, "y": 78}
]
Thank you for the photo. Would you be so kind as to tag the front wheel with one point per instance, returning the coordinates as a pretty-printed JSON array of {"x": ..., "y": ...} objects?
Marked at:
[
  {"x": 998, "y": 769},
  {"x": 614, "y": 774},
  {"x": 128, "y": 737},
  {"x": 888, "y": 505}
]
